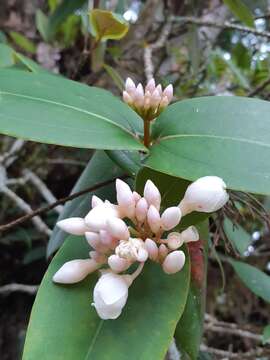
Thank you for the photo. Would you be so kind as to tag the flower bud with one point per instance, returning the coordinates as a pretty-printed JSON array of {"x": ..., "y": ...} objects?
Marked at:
[
  {"x": 127, "y": 98},
  {"x": 142, "y": 254},
  {"x": 107, "y": 239},
  {"x": 155, "y": 99},
  {"x": 152, "y": 194},
  {"x": 174, "y": 240},
  {"x": 130, "y": 86},
  {"x": 110, "y": 295},
  {"x": 151, "y": 248},
  {"x": 74, "y": 271},
  {"x": 118, "y": 264},
  {"x": 207, "y": 194},
  {"x": 153, "y": 219},
  {"x": 170, "y": 218},
  {"x": 164, "y": 102},
  {"x": 96, "y": 219},
  {"x": 151, "y": 86},
  {"x": 162, "y": 252},
  {"x": 96, "y": 201},
  {"x": 174, "y": 262},
  {"x": 93, "y": 240},
  {"x": 190, "y": 234},
  {"x": 118, "y": 229},
  {"x": 159, "y": 89},
  {"x": 139, "y": 96},
  {"x": 141, "y": 210},
  {"x": 168, "y": 92},
  {"x": 74, "y": 226},
  {"x": 136, "y": 196},
  {"x": 125, "y": 199}
]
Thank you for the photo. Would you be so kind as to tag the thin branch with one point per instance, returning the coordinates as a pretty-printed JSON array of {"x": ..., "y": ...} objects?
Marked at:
[
  {"x": 39, "y": 224},
  {"x": 29, "y": 289},
  {"x": 259, "y": 88},
  {"x": 225, "y": 25},
  {"x": 232, "y": 355},
  {"x": 61, "y": 201},
  {"x": 233, "y": 331}
]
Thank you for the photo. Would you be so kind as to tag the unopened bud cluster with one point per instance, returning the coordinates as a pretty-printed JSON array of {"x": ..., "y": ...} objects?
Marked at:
[
  {"x": 148, "y": 102},
  {"x": 150, "y": 236}
]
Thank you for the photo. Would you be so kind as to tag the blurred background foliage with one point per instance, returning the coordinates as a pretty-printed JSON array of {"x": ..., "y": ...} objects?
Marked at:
[{"x": 208, "y": 57}]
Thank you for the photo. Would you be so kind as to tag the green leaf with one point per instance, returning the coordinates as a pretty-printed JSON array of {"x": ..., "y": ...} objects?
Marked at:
[
  {"x": 76, "y": 115},
  {"x": 42, "y": 24},
  {"x": 266, "y": 335},
  {"x": 223, "y": 136},
  {"x": 256, "y": 280},
  {"x": 29, "y": 64},
  {"x": 60, "y": 14},
  {"x": 130, "y": 162},
  {"x": 238, "y": 236},
  {"x": 63, "y": 319},
  {"x": 189, "y": 330},
  {"x": 23, "y": 42},
  {"x": 116, "y": 77},
  {"x": 6, "y": 56},
  {"x": 172, "y": 190},
  {"x": 241, "y": 11},
  {"x": 107, "y": 25},
  {"x": 99, "y": 169}
]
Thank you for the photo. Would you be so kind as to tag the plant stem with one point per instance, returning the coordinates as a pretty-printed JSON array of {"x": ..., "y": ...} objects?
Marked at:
[{"x": 146, "y": 137}]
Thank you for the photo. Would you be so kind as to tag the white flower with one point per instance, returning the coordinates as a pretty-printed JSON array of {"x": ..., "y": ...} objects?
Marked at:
[
  {"x": 97, "y": 218},
  {"x": 174, "y": 240},
  {"x": 74, "y": 226},
  {"x": 152, "y": 194},
  {"x": 207, "y": 194},
  {"x": 174, "y": 262},
  {"x": 75, "y": 270},
  {"x": 110, "y": 295},
  {"x": 132, "y": 250},
  {"x": 190, "y": 234}
]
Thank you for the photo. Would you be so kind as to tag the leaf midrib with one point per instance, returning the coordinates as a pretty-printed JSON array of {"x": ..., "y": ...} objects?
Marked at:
[
  {"x": 68, "y": 107},
  {"x": 171, "y": 137}
]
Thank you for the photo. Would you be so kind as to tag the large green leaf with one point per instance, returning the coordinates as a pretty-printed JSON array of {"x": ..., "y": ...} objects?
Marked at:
[
  {"x": 241, "y": 11},
  {"x": 238, "y": 236},
  {"x": 172, "y": 190},
  {"x": 223, "y": 136},
  {"x": 54, "y": 110},
  {"x": 63, "y": 325},
  {"x": 256, "y": 280},
  {"x": 189, "y": 330},
  {"x": 99, "y": 169}
]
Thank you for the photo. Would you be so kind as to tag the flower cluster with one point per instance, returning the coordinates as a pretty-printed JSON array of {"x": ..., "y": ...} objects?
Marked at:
[
  {"x": 148, "y": 102},
  {"x": 148, "y": 236}
]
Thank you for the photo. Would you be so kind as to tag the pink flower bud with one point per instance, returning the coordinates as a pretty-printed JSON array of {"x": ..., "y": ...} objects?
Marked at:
[
  {"x": 153, "y": 219},
  {"x": 97, "y": 217},
  {"x": 190, "y": 234},
  {"x": 174, "y": 240},
  {"x": 74, "y": 226},
  {"x": 141, "y": 210},
  {"x": 96, "y": 201},
  {"x": 93, "y": 240},
  {"x": 207, "y": 194},
  {"x": 118, "y": 229},
  {"x": 162, "y": 252},
  {"x": 174, "y": 262},
  {"x": 142, "y": 255},
  {"x": 139, "y": 96},
  {"x": 74, "y": 271},
  {"x": 125, "y": 199},
  {"x": 107, "y": 239},
  {"x": 130, "y": 85},
  {"x": 155, "y": 99},
  {"x": 152, "y": 194},
  {"x": 164, "y": 102},
  {"x": 136, "y": 196},
  {"x": 118, "y": 264},
  {"x": 168, "y": 92},
  {"x": 159, "y": 89},
  {"x": 170, "y": 218},
  {"x": 152, "y": 249},
  {"x": 127, "y": 98},
  {"x": 151, "y": 85}
]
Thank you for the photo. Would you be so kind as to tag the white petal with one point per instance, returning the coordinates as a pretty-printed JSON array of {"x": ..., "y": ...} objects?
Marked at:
[
  {"x": 151, "y": 248},
  {"x": 174, "y": 240},
  {"x": 136, "y": 196},
  {"x": 118, "y": 264},
  {"x": 168, "y": 92},
  {"x": 152, "y": 194},
  {"x": 125, "y": 198},
  {"x": 207, "y": 194},
  {"x": 142, "y": 255},
  {"x": 118, "y": 229},
  {"x": 96, "y": 201},
  {"x": 153, "y": 219},
  {"x": 190, "y": 234},
  {"x": 159, "y": 89},
  {"x": 74, "y": 226},
  {"x": 170, "y": 217},
  {"x": 130, "y": 85},
  {"x": 74, "y": 271},
  {"x": 174, "y": 262},
  {"x": 141, "y": 210},
  {"x": 96, "y": 219}
]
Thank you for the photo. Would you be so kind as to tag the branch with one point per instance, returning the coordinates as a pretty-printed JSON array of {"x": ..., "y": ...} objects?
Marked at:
[
  {"x": 259, "y": 88},
  {"x": 232, "y": 355},
  {"x": 30, "y": 289},
  {"x": 61, "y": 201},
  {"x": 225, "y": 25}
]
